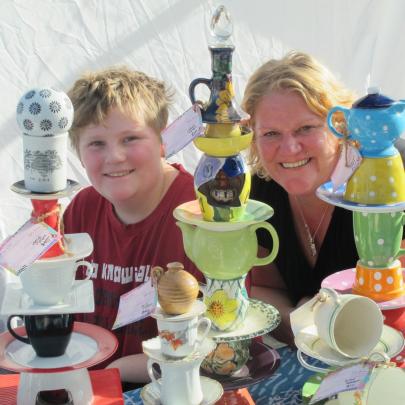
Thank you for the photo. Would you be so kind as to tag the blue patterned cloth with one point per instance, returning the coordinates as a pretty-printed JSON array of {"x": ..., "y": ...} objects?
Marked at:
[{"x": 282, "y": 388}]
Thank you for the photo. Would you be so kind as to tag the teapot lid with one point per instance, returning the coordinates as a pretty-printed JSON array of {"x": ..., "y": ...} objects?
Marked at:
[{"x": 374, "y": 99}]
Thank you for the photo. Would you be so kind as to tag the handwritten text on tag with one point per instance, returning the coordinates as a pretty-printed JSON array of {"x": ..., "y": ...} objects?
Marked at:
[
  {"x": 34, "y": 239},
  {"x": 136, "y": 304},
  {"x": 182, "y": 131}
]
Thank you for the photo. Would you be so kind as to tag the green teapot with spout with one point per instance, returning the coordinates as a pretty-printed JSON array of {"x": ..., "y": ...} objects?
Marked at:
[{"x": 226, "y": 255}]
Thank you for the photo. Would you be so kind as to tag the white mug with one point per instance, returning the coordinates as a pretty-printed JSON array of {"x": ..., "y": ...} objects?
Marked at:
[
  {"x": 180, "y": 383},
  {"x": 45, "y": 163},
  {"x": 350, "y": 324},
  {"x": 180, "y": 338},
  {"x": 48, "y": 282}
]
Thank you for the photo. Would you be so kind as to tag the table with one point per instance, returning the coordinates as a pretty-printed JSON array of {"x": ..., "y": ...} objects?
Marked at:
[{"x": 282, "y": 388}]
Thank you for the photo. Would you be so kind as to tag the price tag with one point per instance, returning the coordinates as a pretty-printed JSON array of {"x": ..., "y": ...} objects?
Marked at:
[
  {"x": 349, "y": 160},
  {"x": 352, "y": 378},
  {"x": 182, "y": 131},
  {"x": 136, "y": 304},
  {"x": 34, "y": 239}
]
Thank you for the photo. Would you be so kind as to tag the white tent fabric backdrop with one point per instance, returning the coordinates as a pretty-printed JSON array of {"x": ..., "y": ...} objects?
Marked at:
[{"x": 51, "y": 42}]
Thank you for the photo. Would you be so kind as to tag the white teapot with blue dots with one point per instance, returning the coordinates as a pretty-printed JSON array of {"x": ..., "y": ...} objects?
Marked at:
[
  {"x": 375, "y": 121},
  {"x": 44, "y": 116}
]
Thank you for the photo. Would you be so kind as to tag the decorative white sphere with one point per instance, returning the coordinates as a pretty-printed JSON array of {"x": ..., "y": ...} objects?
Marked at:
[{"x": 44, "y": 112}]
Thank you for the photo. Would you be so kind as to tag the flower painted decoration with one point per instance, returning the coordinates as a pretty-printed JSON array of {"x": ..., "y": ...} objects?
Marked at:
[
  {"x": 175, "y": 341},
  {"x": 221, "y": 309}
]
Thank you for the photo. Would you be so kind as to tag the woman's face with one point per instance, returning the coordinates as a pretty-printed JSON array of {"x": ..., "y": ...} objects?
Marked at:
[{"x": 293, "y": 143}]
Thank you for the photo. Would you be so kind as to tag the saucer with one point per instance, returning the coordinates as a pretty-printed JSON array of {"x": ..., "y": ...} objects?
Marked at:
[
  {"x": 152, "y": 348},
  {"x": 255, "y": 212},
  {"x": 197, "y": 309},
  {"x": 343, "y": 281},
  {"x": 325, "y": 192},
  {"x": 308, "y": 341},
  {"x": 72, "y": 186},
  {"x": 78, "y": 246},
  {"x": 79, "y": 300},
  {"x": 88, "y": 346},
  {"x": 211, "y": 389},
  {"x": 262, "y": 363},
  {"x": 261, "y": 318}
]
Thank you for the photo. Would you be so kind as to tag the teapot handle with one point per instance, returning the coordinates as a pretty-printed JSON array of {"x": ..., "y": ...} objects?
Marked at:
[
  {"x": 194, "y": 83},
  {"x": 156, "y": 273},
  {"x": 262, "y": 261},
  {"x": 330, "y": 123}
]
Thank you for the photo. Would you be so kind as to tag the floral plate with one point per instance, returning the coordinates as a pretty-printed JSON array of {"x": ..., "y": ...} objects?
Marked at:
[
  {"x": 325, "y": 192},
  {"x": 255, "y": 212},
  {"x": 261, "y": 318}
]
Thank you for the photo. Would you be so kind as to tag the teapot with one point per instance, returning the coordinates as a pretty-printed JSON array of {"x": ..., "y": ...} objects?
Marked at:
[
  {"x": 226, "y": 255},
  {"x": 375, "y": 121},
  {"x": 177, "y": 289}
]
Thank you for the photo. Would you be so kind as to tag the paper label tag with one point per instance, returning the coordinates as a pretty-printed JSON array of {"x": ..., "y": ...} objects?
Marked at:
[
  {"x": 136, "y": 304},
  {"x": 349, "y": 160},
  {"x": 182, "y": 131},
  {"x": 32, "y": 238},
  {"x": 351, "y": 378}
]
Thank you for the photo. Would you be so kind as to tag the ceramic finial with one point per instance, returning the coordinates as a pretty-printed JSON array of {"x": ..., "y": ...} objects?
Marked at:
[
  {"x": 44, "y": 112},
  {"x": 373, "y": 90}
]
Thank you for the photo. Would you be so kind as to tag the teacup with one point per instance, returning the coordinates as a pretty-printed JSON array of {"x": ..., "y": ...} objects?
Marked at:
[
  {"x": 48, "y": 335},
  {"x": 350, "y": 324},
  {"x": 227, "y": 358},
  {"x": 48, "y": 281},
  {"x": 179, "y": 338},
  {"x": 378, "y": 237},
  {"x": 180, "y": 383}
]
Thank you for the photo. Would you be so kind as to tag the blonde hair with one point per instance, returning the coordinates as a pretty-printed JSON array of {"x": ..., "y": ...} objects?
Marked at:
[
  {"x": 95, "y": 93},
  {"x": 298, "y": 72}
]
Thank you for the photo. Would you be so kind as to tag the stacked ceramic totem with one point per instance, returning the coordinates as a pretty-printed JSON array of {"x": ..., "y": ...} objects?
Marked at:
[
  {"x": 182, "y": 344},
  {"x": 376, "y": 194},
  {"x": 51, "y": 352},
  {"x": 219, "y": 228}
]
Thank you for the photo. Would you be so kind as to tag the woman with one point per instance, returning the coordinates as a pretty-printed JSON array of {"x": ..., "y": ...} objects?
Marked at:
[{"x": 288, "y": 100}]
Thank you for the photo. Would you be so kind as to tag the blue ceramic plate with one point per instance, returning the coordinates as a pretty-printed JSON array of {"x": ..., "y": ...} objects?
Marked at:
[{"x": 326, "y": 193}]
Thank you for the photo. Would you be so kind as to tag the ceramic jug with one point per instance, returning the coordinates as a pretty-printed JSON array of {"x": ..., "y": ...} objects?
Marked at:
[
  {"x": 222, "y": 185},
  {"x": 226, "y": 255},
  {"x": 375, "y": 121},
  {"x": 177, "y": 289},
  {"x": 226, "y": 301}
]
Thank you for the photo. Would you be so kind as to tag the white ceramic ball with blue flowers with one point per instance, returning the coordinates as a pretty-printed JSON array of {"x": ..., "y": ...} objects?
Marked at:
[{"x": 44, "y": 112}]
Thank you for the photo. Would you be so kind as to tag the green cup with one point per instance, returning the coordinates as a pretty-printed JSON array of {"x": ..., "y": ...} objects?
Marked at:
[{"x": 378, "y": 237}]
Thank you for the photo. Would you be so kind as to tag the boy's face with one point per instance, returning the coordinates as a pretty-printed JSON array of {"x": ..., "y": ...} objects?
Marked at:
[{"x": 122, "y": 157}]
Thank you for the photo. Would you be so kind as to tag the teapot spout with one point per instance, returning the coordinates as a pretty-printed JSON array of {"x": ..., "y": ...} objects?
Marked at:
[{"x": 187, "y": 231}]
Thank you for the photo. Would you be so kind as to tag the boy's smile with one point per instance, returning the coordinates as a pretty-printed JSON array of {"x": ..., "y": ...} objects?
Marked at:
[{"x": 122, "y": 158}]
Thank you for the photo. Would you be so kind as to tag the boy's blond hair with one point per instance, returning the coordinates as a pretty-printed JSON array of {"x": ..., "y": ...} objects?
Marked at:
[
  {"x": 297, "y": 72},
  {"x": 95, "y": 93}
]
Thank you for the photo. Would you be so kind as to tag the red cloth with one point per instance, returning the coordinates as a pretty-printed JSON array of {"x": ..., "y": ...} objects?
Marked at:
[
  {"x": 237, "y": 397},
  {"x": 123, "y": 255},
  {"x": 106, "y": 387}
]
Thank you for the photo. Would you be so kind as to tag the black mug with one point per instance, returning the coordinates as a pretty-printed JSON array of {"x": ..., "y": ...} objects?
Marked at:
[{"x": 48, "y": 335}]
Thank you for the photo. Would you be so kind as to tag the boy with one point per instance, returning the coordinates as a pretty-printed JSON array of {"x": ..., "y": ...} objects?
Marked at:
[{"x": 119, "y": 115}]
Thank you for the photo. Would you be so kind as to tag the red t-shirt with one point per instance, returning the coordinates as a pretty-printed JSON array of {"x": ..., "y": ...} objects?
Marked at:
[{"x": 123, "y": 255}]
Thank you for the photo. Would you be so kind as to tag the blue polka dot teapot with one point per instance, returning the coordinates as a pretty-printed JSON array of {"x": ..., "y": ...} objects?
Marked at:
[{"x": 375, "y": 121}]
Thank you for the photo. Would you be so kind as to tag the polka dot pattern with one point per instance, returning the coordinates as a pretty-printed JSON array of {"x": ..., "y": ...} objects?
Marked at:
[
  {"x": 377, "y": 181},
  {"x": 44, "y": 112}
]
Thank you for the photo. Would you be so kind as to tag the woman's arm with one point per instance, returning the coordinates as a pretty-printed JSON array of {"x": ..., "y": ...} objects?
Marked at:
[
  {"x": 268, "y": 286},
  {"x": 132, "y": 368}
]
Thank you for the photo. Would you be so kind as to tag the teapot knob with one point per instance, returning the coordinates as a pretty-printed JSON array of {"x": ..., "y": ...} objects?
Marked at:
[
  {"x": 175, "y": 265},
  {"x": 373, "y": 90},
  {"x": 156, "y": 273}
]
